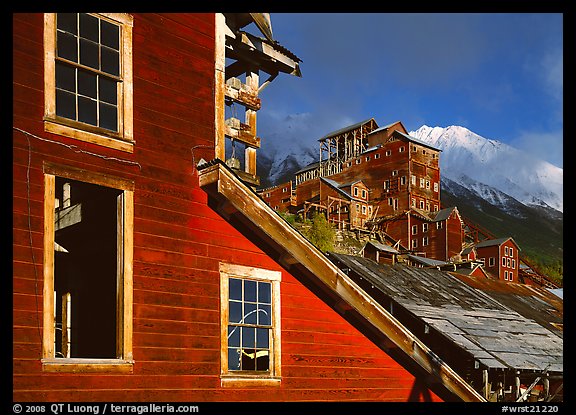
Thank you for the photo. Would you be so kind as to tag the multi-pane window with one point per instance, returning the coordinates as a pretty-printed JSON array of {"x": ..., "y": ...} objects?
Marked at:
[
  {"x": 250, "y": 318},
  {"x": 88, "y": 77},
  {"x": 87, "y": 69},
  {"x": 249, "y": 325}
]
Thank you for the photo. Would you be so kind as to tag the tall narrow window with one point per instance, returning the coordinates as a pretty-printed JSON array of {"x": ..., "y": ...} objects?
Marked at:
[
  {"x": 87, "y": 270},
  {"x": 250, "y": 318},
  {"x": 88, "y": 77}
]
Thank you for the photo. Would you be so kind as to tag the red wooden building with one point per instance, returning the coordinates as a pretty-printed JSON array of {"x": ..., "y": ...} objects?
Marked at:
[
  {"x": 137, "y": 276},
  {"x": 500, "y": 258},
  {"x": 280, "y": 198}
]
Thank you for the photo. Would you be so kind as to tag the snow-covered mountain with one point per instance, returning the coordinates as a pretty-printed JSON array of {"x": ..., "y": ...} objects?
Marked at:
[
  {"x": 482, "y": 165},
  {"x": 492, "y": 170}
]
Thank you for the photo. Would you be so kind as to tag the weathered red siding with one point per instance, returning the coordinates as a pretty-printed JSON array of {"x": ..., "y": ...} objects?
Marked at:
[{"x": 178, "y": 244}]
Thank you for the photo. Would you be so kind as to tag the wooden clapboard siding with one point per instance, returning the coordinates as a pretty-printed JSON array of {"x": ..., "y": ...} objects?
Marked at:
[{"x": 179, "y": 242}]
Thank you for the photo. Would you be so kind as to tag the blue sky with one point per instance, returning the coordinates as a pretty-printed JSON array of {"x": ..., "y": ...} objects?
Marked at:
[{"x": 498, "y": 74}]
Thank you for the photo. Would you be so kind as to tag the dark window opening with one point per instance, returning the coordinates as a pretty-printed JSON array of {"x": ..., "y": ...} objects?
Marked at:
[{"x": 87, "y": 264}]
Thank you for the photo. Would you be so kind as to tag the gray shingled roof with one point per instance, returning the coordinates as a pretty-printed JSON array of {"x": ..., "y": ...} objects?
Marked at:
[{"x": 494, "y": 334}]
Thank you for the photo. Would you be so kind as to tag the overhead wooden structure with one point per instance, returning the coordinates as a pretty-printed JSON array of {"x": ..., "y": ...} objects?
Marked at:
[{"x": 240, "y": 57}]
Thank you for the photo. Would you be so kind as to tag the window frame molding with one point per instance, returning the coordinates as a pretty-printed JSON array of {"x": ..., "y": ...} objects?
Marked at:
[
  {"x": 122, "y": 140},
  {"x": 124, "y": 363},
  {"x": 230, "y": 378}
]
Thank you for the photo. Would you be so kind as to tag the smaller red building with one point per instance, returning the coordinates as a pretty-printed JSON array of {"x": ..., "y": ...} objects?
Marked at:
[
  {"x": 500, "y": 258},
  {"x": 279, "y": 197}
]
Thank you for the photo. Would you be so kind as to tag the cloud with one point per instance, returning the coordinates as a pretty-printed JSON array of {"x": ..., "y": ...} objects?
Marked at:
[{"x": 543, "y": 145}]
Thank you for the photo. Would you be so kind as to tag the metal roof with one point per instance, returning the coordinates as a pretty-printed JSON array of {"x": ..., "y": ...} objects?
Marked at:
[
  {"x": 492, "y": 242},
  {"x": 415, "y": 140},
  {"x": 483, "y": 324},
  {"x": 383, "y": 247},
  {"x": 349, "y": 128}
]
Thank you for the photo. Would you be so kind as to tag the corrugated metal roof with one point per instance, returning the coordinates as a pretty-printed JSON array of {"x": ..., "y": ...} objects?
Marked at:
[
  {"x": 492, "y": 242},
  {"x": 382, "y": 247},
  {"x": 485, "y": 325},
  {"x": 349, "y": 128}
]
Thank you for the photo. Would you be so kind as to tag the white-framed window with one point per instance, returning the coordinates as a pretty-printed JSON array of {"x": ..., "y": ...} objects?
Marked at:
[
  {"x": 422, "y": 183},
  {"x": 439, "y": 225},
  {"x": 390, "y": 201},
  {"x": 508, "y": 262},
  {"x": 358, "y": 160},
  {"x": 355, "y": 191},
  {"x": 413, "y": 202},
  {"x": 425, "y": 241},
  {"x": 436, "y": 187},
  {"x": 88, "y": 77},
  {"x": 386, "y": 184},
  {"x": 422, "y": 204},
  {"x": 414, "y": 229},
  {"x": 367, "y": 158},
  {"x": 428, "y": 184},
  {"x": 388, "y": 153},
  {"x": 425, "y": 227},
  {"x": 511, "y": 252},
  {"x": 88, "y": 253},
  {"x": 513, "y": 264},
  {"x": 414, "y": 243},
  {"x": 401, "y": 149},
  {"x": 503, "y": 261},
  {"x": 435, "y": 208},
  {"x": 403, "y": 181},
  {"x": 506, "y": 275},
  {"x": 377, "y": 156},
  {"x": 363, "y": 209},
  {"x": 250, "y": 324},
  {"x": 491, "y": 261},
  {"x": 363, "y": 193},
  {"x": 394, "y": 173},
  {"x": 506, "y": 250}
]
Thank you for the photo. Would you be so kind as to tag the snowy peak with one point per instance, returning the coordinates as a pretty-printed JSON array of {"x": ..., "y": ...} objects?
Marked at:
[{"x": 465, "y": 154}]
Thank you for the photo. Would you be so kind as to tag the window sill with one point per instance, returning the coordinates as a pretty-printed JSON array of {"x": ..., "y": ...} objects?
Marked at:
[
  {"x": 249, "y": 381},
  {"x": 55, "y": 127},
  {"x": 87, "y": 365}
]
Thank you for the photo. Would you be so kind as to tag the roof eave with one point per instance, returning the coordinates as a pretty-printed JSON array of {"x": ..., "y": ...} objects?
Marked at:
[{"x": 232, "y": 197}]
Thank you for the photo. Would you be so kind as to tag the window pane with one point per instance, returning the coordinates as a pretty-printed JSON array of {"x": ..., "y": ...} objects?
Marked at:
[
  {"x": 235, "y": 312},
  {"x": 108, "y": 117},
  {"x": 65, "y": 105},
  {"x": 87, "y": 111},
  {"x": 233, "y": 336},
  {"x": 265, "y": 315},
  {"x": 263, "y": 338},
  {"x": 248, "y": 337},
  {"x": 249, "y": 290},
  {"x": 263, "y": 360},
  {"x": 233, "y": 359},
  {"x": 65, "y": 77},
  {"x": 67, "y": 48},
  {"x": 67, "y": 22},
  {"x": 87, "y": 84},
  {"x": 250, "y": 313},
  {"x": 109, "y": 35},
  {"x": 107, "y": 90},
  {"x": 89, "y": 54},
  {"x": 235, "y": 289},
  {"x": 264, "y": 292},
  {"x": 110, "y": 61},
  {"x": 248, "y": 359},
  {"x": 89, "y": 27}
]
